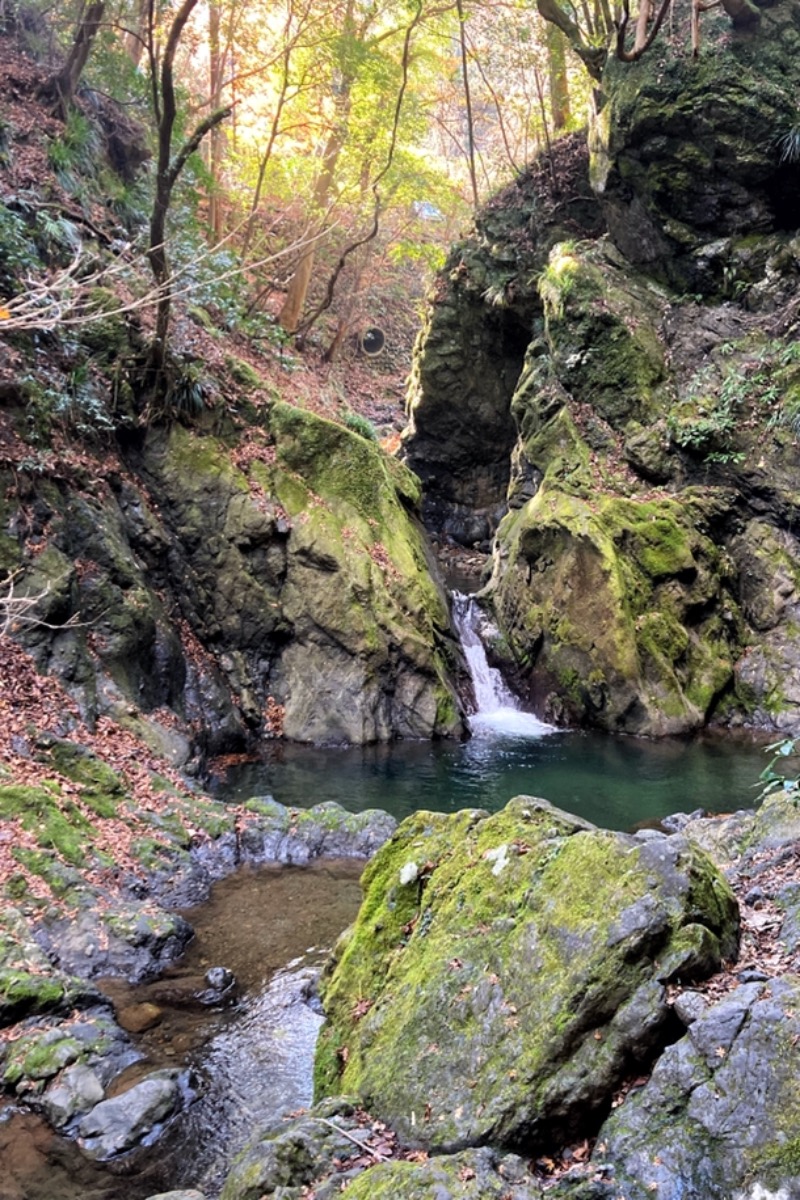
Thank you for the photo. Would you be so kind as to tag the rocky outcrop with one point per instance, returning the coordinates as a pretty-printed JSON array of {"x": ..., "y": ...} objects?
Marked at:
[
  {"x": 205, "y": 595},
  {"x": 506, "y": 972},
  {"x": 645, "y": 565},
  {"x": 461, "y": 432},
  {"x": 689, "y": 187}
]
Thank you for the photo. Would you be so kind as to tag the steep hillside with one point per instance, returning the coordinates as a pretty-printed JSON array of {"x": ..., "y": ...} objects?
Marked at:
[{"x": 213, "y": 564}]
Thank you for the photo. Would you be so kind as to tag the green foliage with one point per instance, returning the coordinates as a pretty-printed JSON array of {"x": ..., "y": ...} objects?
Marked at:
[
  {"x": 758, "y": 386},
  {"x": 17, "y": 250},
  {"x": 56, "y": 236},
  {"x": 190, "y": 390},
  {"x": 75, "y": 404},
  {"x": 74, "y": 155},
  {"x": 557, "y": 280},
  {"x": 774, "y": 777},
  {"x": 361, "y": 425}
]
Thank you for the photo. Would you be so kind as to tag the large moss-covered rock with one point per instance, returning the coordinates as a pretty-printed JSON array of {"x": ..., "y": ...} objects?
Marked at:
[
  {"x": 505, "y": 972},
  {"x": 213, "y": 592},
  {"x": 687, "y": 151},
  {"x": 621, "y": 609}
]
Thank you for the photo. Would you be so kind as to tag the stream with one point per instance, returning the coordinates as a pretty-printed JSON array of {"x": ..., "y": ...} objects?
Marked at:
[{"x": 251, "y": 1063}]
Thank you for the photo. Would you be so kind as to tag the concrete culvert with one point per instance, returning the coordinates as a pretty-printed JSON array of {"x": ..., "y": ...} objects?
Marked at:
[{"x": 371, "y": 341}]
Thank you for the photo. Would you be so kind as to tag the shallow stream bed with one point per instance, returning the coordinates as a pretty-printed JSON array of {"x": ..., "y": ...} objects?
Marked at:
[{"x": 252, "y": 1061}]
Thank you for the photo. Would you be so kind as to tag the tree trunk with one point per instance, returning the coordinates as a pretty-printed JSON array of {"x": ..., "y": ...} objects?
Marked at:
[
  {"x": 297, "y": 291},
  {"x": 61, "y": 87},
  {"x": 293, "y": 305},
  {"x": 215, "y": 139},
  {"x": 473, "y": 178},
  {"x": 557, "y": 72},
  {"x": 133, "y": 40}
]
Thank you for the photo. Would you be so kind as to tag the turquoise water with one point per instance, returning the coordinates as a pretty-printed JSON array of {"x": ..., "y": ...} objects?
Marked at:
[{"x": 615, "y": 782}]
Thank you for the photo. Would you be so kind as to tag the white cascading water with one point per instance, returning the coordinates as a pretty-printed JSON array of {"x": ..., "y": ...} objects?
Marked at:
[{"x": 497, "y": 711}]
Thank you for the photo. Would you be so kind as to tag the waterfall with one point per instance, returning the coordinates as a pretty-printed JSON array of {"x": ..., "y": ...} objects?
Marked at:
[{"x": 497, "y": 710}]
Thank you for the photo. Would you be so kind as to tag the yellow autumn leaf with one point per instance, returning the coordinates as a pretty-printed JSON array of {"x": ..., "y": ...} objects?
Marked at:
[{"x": 5, "y": 313}]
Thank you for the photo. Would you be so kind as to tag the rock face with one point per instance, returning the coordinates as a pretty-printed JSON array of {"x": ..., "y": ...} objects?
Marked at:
[
  {"x": 461, "y": 432},
  {"x": 732, "y": 1081},
  {"x": 677, "y": 173},
  {"x": 279, "y": 587},
  {"x": 645, "y": 566},
  {"x": 506, "y": 972}
]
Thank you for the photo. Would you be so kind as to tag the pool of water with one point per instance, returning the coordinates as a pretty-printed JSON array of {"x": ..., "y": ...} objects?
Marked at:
[{"x": 615, "y": 782}]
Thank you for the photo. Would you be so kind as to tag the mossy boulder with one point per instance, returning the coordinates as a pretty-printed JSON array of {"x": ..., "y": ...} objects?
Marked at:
[
  {"x": 505, "y": 972},
  {"x": 677, "y": 173},
  {"x": 621, "y": 610}
]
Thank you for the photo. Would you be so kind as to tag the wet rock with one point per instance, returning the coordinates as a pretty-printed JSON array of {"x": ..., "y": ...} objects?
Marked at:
[
  {"x": 78, "y": 1089},
  {"x": 504, "y": 989},
  {"x": 29, "y": 982},
  {"x": 136, "y": 1018},
  {"x": 295, "y": 836},
  {"x": 118, "y": 1124},
  {"x": 44, "y": 1047},
  {"x": 473, "y": 346},
  {"x": 121, "y": 940}
]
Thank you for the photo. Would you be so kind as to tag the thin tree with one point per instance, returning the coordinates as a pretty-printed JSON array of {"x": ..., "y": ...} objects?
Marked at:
[
  {"x": 168, "y": 170},
  {"x": 60, "y": 88}
]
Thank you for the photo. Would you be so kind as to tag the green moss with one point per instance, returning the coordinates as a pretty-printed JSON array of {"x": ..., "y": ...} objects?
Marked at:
[
  {"x": 54, "y": 820},
  {"x": 63, "y": 881},
  {"x": 632, "y": 590},
  {"x": 243, "y": 373},
  {"x": 458, "y": 915},
  {"x": 102, "y": 789},
  {"x": 106, "y": 334},
  {"x": 337, "y": 463},
  {"x": 42, "y": 1059},
  {"x": 22, "y": 992}
]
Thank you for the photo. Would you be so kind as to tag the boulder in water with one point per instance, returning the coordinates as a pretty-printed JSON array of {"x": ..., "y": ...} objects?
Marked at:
[{"x": 119, "y": 1124}]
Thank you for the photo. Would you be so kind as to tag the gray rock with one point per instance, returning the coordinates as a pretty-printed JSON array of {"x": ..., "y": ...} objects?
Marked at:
[
  {"x": 319, "y": 1152},
  {"x": 78, "y": 1089},
  {"x": 190, "y": 1194},
  {"x": 118, "y": 1124},
  {"x": 689, "y": 1006},
  {"x": 719, "y": 1117}
]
